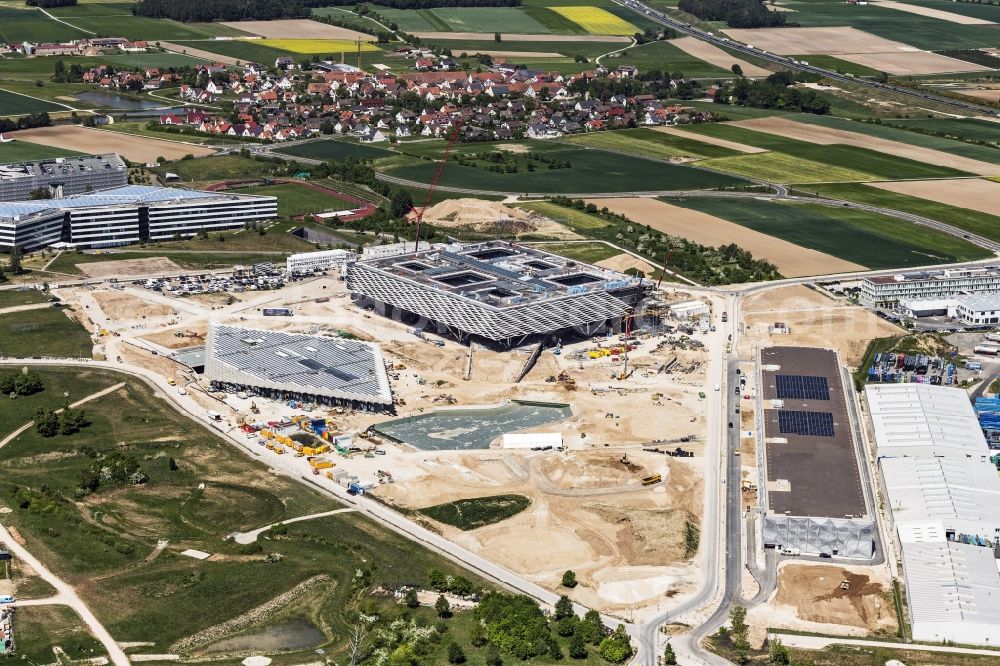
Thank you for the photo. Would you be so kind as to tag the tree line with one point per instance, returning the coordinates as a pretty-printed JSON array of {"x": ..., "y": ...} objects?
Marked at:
[
  {"x": 48, "y": 4},
  {"x": 25, "y": 122},
  {"x": 188, "y": 11},
  {"x": 736, "y": 13},
  {"x": 418, "y": 4},
  {"x": 774, "y": 92}
]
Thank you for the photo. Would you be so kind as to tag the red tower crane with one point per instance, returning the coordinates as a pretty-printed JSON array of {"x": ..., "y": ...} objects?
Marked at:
[
  {"x": 435, "y": 180},
  {"x": 666, "y": 261}
]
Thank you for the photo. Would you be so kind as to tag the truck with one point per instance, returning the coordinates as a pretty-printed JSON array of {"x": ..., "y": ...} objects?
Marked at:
[
  {"x": 791, "y": 552},
  {"x": 987, "y": 350},
  {"x": 213, "y": 415},
  {"x": 277, "y": 312},
  {"x": 725, "y": 317},
  {"x": 652, "y": 480},
  {"x": 6, "y": 599}
]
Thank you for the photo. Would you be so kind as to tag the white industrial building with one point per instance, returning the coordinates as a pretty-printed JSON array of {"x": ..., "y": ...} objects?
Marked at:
[
  {"x": 921, "y": 420},
  {"x": 126, "y": 215},
  {"x": 689, "y": 309},
  {"x": 888, "y": 290},
  {"x": 981, "y": 309},
  {"x": 394, "y": 249},
  {"x": 310, "y": 262},
  {"x": 953, "y": 591},
  {"x": 962, "y": 495}
]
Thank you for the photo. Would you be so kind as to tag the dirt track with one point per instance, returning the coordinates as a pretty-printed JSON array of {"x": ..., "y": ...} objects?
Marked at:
[
  {"x": 826, "y": 136},
  {"x": 716, "y": 56},
  {"x": 791, "y": 260},
  {"x": 296, "y": 29},
  {"x": 86, "y": 140},
  {"x": 975, "y": 194}
]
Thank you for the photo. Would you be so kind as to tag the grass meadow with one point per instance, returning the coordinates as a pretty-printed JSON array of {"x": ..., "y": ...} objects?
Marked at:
[{"x": 45, "y": 332}]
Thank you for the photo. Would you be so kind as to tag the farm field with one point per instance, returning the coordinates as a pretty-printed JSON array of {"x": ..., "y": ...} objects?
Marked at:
[
  {"x": 975, "y": 194},
  {"x": 702, "y": 141},
  {"x": 676, "y": 220},
  {"x": 596, "y": 21},
  {"x": 783, "y": 168},
  {"x": 589, "y": 171},
  {"x": 140, "y": 27},
  {"x": 87, "y": 140},
  {"x": 860, "y": 237},
  {"x": 14, "y": 104},
  {"x": 717, "y": 57},
  {"x": 44, "y": 332},
  {"x": 883, "y": 160},
  {"x": 919, "y": 31},
  {"x": 243, "y": 50},
  {"x": 31, "y": 25},
  {"x": 968, "y": 129},
  {"x": 296, "y": 29},
  {"x": 165, "y": 59},
  {"x": 983, "y": 11},
  {"x": 487, "y": 19},
  {"x": 933, "y": 12},
  {"x": 837, "y": 64},
  {"x": 668, "y": 57},
  {"x": 294, "y": 200},
  {"x": 318, "y": 46},
  {"x": 649, "y": 143},
  {"x": 334, "y": 149}
]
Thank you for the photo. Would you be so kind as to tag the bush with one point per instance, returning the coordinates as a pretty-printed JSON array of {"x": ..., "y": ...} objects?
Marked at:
[
  {"x": 25, "y": 382},
  {"x": 616, "y": 648},
  {"x": 569, "y": 579},
  {"x": 455, "y": 654}
]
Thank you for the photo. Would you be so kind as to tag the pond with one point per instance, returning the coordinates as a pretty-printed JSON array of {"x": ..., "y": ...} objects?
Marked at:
[
  {"x": 471, "y": 428},
  {"x": 110, "y": 100},
  {"x": 297, "y": 634}
]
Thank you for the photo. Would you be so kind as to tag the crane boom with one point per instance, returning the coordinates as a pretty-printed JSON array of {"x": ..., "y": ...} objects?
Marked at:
[
  {"x": 435, "y": 180},
  {"x": 666, "y": 261}
]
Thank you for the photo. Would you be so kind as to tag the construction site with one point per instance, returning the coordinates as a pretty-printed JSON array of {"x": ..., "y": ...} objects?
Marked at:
[{"x": 340, "y": 394}]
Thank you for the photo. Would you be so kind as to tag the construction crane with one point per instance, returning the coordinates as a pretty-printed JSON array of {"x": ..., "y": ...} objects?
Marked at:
[
  {"x": 434, "y": 181},
  {"x": 666, "y": 262}
]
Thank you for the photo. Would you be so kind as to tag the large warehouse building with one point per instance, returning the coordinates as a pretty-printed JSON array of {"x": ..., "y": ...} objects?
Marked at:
[
  {"x": 62, "y": 176},
  {"x": 922, "y": 420},
  {"x": 125, "y": 215},
  {"x": 497, "y": 293},
  {"x": 812, "y": 488},
  {"x": 293, "y": 366}
]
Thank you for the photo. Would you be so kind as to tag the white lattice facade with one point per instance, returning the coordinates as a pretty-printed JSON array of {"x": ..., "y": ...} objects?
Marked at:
[{"x": 840, "y": 537}]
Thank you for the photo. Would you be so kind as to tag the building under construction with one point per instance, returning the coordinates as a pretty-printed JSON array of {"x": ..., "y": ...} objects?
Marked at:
[{"x": 497, "y": 293}]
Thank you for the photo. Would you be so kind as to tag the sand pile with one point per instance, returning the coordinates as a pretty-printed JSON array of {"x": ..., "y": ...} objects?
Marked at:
[{"x": 482, "y": 216}]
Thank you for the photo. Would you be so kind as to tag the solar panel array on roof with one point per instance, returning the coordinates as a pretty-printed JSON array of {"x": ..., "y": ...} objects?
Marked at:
[
  {"x": 808, "y": 424},
  {"x": 801, "y": 387}
]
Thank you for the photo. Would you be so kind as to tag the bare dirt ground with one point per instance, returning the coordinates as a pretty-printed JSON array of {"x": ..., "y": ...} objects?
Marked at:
[
  {"x": 518, "y": 37},
  {"x": 716, "y": 56},
  {"x": 815, "y": 320},
  {"x": 200, "y": 53},
  {"x": 909, "y": 63},
  {"x": 168, "y": 338},
  {"x": 932, "y": 13},
  {"x": 296, "y": 29},
  {"x": 992, "y": 94},
  {"x": 815, "y": 594},
  {"x": 975, "y": 194},
  {"x": 622, "y": 262},
  {"x": 791, "y": 260},
  {"x": 494, "y": 217},
  {"x": 88, "y": 140},
  {"x": 827, "y": 135},
  {"x": 129, "y": 267},
  {"x": 117, "y": 305},
  {"x": 711, "y": 140},
  {"x": 815, "y": 41}
]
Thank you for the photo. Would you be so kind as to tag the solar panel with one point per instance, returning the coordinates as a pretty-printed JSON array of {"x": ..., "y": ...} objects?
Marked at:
[
  {"x": 801, "y": 387},
  {"x": 811, "y": 424}
]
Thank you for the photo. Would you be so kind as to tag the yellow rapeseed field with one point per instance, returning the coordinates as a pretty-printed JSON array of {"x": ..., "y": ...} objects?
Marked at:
[
  {"x": 317, "y": 46},
  {"x": 597, "y": 21}
]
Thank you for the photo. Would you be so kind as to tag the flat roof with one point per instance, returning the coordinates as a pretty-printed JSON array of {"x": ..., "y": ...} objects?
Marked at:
[
  {"x": 499, "y": 273},
  {"x": 944, "y": 274},
  {"x": 921, "y": 489},
  {"x": 61, "y": 166},
  {"x": 939, "y": 418},
  {"x": 331, "y": 367},
  {"x": 951, "y": 582},
  {"x": 986, "y": 301},
  {"x": 810, "y": 472}
]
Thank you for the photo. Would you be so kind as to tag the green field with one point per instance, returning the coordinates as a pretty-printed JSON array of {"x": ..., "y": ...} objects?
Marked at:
[
  {"x": 963, "y": 218},
  {"x": 225, "y": 257},
  {"x": 13, "y": 104},
  {"x": 334, "y": 149},
  {"x": 836, "y": 156},
  {"x": 13, "y": 297},
  {"x": 920, "y": 31},
  {"x": 489, "y": 19},
  {"x": 649, "y": 143},
  {"x": 31, "y": 25},
  {"x": 966, "y": 129},
  {"x": 164, "y": 59},
  {"x": 871, "y": 240},
  {"x": 980, "y": 10},
  {"x": 590, "y": 253},
  {"x": 250, "y": 51},
  {"x": 217, "y": 167},
  {"x": 17, "y": 151},
  {"x": 590, "y": 171},
  {"x": 835, "y": 64},
  {"x": 45, "y": 332},
  {"x": 666, "y": 57},
  {"x": 470, "y": 514},
  {"x": 40, "y": 628},
  {"x": 781, "y": 168},
  {"x": 295, "y": 199}
]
